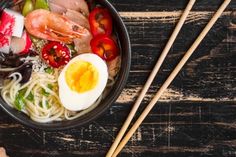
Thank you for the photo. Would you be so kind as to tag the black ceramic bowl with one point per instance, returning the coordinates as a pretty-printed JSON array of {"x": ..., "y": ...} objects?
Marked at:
[{"x": 124, "y": 42}]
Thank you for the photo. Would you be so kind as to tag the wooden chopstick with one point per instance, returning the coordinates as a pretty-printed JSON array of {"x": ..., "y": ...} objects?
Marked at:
[
  {"x": 151, "y": 77},
  {"x": 171, "y": 77}
]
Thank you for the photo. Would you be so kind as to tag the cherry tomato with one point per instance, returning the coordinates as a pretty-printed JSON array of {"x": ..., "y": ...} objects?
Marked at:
[
  {"x": 105, "y": 47},
  {"x": 56, "y": 54},
  {"x": 100, "y": 21}
]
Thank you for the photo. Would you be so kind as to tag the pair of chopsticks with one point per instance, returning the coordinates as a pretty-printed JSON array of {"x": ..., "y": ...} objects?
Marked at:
[{"x": 116, "y": 146}]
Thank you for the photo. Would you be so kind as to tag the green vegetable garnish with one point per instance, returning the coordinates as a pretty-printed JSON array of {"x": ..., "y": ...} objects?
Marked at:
[
  {"x": 30, "y": 97},
  {"x": 44, "y": 92},
  {"x": 22, "y": 92},
  {"x": 50, "y": 86},
  {"x": 41, "y": 4},
  {"x": 47, "y": 104},
  {"x": 41, "y": 104},
  {"x": 27, "y": 8},
  {"x": 49, "y": 70},
  {"x": 72, "y": 50},
  {"x": 19, "y": 102}
]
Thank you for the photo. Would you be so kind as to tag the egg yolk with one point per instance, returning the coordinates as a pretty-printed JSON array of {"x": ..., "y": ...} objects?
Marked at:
[{"x": 81, "y": 76}]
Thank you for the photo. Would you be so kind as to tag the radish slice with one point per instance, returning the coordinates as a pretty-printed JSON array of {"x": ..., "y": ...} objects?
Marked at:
[
  {"x": 5, "y": 43},
  {"x": 12, "y": 23},
  {"x": 17, "y": 45},
  {"x": 28, "y": 44},
  {"x": 21, "y": 45}
]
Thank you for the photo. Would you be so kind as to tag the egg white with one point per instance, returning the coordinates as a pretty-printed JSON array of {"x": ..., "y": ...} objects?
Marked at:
[{"x": 74, "y": 101}]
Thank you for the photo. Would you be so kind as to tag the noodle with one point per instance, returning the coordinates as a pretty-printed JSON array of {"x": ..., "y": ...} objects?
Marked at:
[{"x": 41, "y": 108}]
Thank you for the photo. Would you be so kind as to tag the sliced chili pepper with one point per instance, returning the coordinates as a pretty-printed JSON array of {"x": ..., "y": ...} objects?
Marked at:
[
  {"x": 100, "y": 21},
  {"x": 56, "y": 54},
  {"x": 105, "y": 47}
]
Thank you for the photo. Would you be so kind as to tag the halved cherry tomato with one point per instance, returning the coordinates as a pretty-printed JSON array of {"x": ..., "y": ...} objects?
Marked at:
[
  {"x": 56, "y": 54},
  {"x": 105, "y": 47},
  {"x": 100, "y": 21}
]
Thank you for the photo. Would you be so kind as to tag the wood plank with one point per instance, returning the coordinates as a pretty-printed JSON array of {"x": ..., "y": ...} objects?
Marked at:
[
  {"x": 195, "y": 117},
  {"x": 199, "y": 127},
  {"x": 209, "y": 75},
  {"x": 170, "y": 5}
]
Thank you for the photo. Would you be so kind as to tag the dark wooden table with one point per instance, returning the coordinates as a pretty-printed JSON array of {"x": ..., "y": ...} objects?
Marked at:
[{"x": 195, "y": 117}]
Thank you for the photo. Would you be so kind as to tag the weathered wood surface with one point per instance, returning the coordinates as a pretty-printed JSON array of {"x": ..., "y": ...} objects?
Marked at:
[{"x": 195, "y": 117}]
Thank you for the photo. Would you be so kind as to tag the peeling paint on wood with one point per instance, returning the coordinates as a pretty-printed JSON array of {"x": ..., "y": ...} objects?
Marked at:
[
  {"x": 167, "y": 17},
  {"x": 129, "y": 95}
]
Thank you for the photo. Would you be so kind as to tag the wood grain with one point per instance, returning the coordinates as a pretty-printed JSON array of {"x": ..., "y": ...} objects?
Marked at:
[
  {"x": 170, "y": 5},
  {"x": 196, "y": 116}
]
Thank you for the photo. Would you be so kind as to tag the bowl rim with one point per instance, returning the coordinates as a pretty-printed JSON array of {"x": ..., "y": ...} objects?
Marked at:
[{"x": 120, "y": 84}]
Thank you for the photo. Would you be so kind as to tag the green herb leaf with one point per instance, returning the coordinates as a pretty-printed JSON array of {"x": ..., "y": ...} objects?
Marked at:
[
  {"x": 22, "y": 92},
  {"x": 47, "y": 104},
  {"x": 72, "y": 50},
  {"x": 44, "y": 92},
  {"x": 49, "y": 70},
  {"x": 41, "y": 104},
  {"x": 19, "y": 102},
  {"x": 30, "y": 97},
  {"x": 50, "y": 86}
]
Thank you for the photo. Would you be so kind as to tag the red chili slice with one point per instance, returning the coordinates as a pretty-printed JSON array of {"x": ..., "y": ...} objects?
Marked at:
[
  {"x": 105, "y": 47},
  {"x": 56, "y": 54},
  {"x": 100, "y": 21}
]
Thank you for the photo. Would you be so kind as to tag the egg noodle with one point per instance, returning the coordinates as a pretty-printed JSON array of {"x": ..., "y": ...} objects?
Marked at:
[{"x": 39, "y": 98}]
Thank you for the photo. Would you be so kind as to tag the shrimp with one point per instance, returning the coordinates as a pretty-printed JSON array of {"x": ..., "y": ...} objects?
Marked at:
[{"x": 52, "y": 26}]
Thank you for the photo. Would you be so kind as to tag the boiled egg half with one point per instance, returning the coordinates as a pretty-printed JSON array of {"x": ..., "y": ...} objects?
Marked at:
[{"x": 82, "y": 81}]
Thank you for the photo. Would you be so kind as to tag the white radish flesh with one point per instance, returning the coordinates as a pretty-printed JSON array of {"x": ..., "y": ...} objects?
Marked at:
[
  {"x": 12, "y": 23},
  {"x": 21, "y": 45}
]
